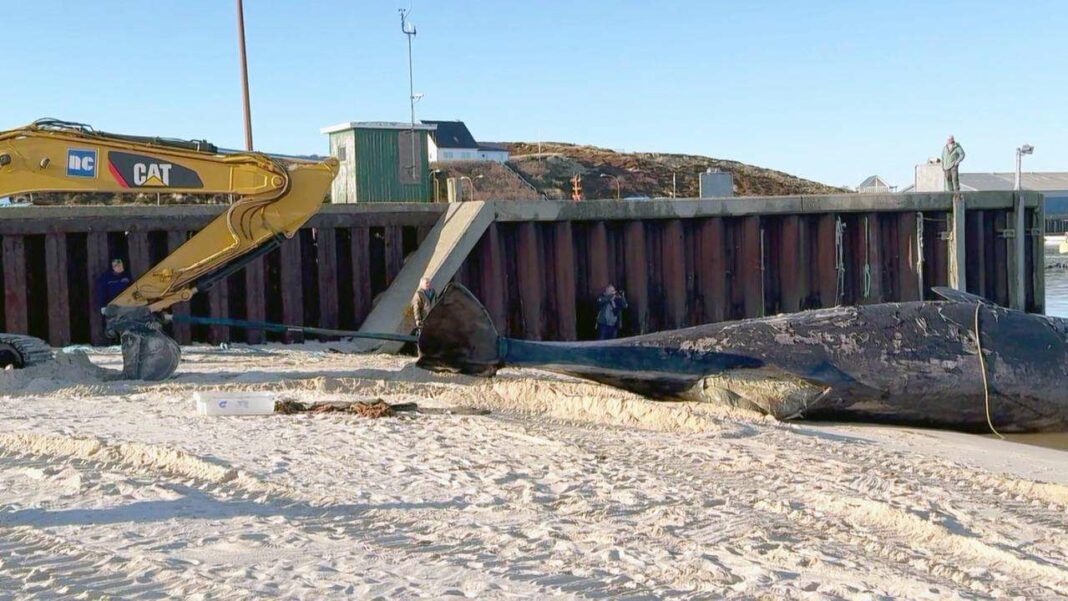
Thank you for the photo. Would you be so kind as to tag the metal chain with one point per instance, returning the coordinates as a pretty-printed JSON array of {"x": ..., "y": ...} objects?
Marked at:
[
  {"x": 839, "y": 231},
  {"x": 919, "y": 251},
  {"x": 867, "y": 258}
]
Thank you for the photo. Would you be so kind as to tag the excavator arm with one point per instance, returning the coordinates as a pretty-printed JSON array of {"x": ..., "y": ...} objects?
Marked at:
[{"x": 274, "y": 198}]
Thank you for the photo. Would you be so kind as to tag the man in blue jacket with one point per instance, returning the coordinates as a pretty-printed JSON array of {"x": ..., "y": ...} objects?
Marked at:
[{"x": 111, "y": 283}]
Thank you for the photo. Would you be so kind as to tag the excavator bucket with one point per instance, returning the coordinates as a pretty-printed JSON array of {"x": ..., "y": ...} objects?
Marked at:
[{"x": 148, "y": 354}]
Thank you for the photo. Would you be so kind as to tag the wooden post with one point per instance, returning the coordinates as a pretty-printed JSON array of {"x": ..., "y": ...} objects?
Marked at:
[
  {"x": 674, "y": 272},
  {"x": 564, "y": 272},
  {"x": 58, "y": 292},
  {"x": 361, "y": 272},
  {"x": 219, "y": 306},
  {"x": 793, "y": 264},
  {"x": 255, "y": 301},
  {"x": 15, "y": 310},
  {"x": 1003, "y": 269},
  {"x": 752, "y": 266},
  {"x": 827, "y": 259},
  {"x": 528, "y": 263},
  {"x": 712, "y": 268},
  {"x": 326, "y": 257},
  {"x": 598, "y": 258},
  {"x": 137, "y": 246},
  {"x": 908, "y": 284},
  {"x": 96, "y": 261},
  {"x": 873, "y": 245},
  {"x": 292, "y": 297},
  {"x": 1038, "y": 240},
  {"x": 957, "y": 248},
  {"x": 1017, "y": 257},
  {"x": 494, "y": 287},
  {"x": 394, "y": 252},
  {"x": 977, "y": 251},
  {"x": 637, "y": 275},
  {"x": 182, "y": 332}
]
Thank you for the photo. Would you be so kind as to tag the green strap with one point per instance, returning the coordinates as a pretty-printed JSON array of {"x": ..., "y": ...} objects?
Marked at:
[{"x": 278, "y": 327}]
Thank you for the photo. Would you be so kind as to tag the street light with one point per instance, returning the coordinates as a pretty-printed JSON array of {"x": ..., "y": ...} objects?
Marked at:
[
  {"x": 473, "y": 189},
  {"x": 434, "y": 173},
  {"x": 1025, "y": 149},
  {"x": 605, "y": 175}
]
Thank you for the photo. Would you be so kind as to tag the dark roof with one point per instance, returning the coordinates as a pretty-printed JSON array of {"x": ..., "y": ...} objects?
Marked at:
[
  {"x": 1041, "y": 181},
  {"x": 873, "y": 181},
  {"x": 1038, "y": 181},
  {"x": 452, "y": 134},
  {"x": 492, "y": 146}
]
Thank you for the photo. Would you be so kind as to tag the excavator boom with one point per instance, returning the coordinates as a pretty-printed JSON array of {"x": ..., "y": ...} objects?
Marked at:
[{"x": 274, "y": 198}]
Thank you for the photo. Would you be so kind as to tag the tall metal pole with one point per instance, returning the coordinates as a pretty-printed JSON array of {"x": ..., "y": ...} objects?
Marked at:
[
  {"x": 411, "y": 79},
  {"x": 244, "y": 73},
  {"x": 409, "y": 31},
  {"x": 1019, "y": 165}
]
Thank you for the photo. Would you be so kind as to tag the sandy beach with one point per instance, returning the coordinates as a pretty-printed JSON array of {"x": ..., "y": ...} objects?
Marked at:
[{"x": 565, "y": 489}]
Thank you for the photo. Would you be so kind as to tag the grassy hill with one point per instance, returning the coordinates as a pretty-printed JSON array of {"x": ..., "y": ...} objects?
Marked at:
[
  {"x": 643, "y": 173},
  {"x": 532, "y": 174},
  {"x": 491, "y": 181}
]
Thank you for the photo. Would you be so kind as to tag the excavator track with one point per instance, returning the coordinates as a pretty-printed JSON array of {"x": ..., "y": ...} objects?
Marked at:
[{"x": 23, "y": 351}]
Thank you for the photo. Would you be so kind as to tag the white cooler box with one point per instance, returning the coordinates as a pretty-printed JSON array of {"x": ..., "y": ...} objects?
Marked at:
[{"x": 234, "y": 403}]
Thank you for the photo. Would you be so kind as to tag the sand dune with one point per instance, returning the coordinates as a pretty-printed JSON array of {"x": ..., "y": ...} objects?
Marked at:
[{"x": 566, "y": 490}]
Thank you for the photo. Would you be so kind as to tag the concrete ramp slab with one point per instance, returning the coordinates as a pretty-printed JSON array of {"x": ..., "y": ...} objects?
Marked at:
[{"x": 438, "y": 257}]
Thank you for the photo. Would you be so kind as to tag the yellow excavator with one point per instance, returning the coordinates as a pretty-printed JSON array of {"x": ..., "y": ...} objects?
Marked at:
[{"x": 275, "y": 197}]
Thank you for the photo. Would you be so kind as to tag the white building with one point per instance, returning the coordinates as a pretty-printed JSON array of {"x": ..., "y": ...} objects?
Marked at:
[
  {"x": 491, "y": 151},
  {"x": 452, "y": 141}
]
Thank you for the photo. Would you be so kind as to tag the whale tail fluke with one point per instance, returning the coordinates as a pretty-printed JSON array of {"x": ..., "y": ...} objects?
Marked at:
[{"x": 458, "y": 336}]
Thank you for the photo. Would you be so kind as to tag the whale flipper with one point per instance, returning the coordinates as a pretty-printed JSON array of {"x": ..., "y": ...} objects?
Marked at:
[{"x": 959, "y": 296}]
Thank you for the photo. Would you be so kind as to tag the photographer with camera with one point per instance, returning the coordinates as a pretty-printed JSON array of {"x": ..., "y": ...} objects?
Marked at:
[{"x": 610, "y": 307}]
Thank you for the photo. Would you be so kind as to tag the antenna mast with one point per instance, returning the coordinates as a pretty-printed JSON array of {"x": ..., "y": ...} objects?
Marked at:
[{"x": 409, "y": 31}]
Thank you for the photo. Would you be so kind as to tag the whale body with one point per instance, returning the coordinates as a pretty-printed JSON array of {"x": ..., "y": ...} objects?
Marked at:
[{"x": 915, "y": 363}]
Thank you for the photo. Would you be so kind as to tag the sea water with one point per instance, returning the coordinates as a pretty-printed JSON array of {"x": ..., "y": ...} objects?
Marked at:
[{"x": 1057, "y": 293}]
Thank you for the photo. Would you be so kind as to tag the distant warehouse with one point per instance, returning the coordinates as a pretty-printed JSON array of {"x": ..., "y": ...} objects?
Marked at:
[
  {"x": 380, "y": 162},
  {"x": 1052, "y": 184}
]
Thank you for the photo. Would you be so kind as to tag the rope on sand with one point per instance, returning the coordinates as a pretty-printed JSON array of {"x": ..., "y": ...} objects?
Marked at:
[{"x": 982, "y": 369}]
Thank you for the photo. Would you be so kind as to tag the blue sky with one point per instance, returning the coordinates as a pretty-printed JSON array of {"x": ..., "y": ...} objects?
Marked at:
[{"x": 832, "y": 91}]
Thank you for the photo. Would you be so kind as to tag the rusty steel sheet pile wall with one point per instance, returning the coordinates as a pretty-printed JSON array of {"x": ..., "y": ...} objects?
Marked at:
[
  {"x": 327, "y": 276},
  {"x": 540, "y": 267}
]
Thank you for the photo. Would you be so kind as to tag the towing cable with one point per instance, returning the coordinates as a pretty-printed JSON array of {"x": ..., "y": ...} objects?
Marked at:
[{"x": 283, "y": 328}]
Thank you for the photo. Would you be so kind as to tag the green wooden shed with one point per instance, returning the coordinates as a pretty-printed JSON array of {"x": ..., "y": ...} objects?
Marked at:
[{"x": 380, "y": 162}]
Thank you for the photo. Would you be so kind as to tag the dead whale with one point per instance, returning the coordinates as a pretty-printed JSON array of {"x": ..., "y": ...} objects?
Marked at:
[{"x": 913, "y": 363}]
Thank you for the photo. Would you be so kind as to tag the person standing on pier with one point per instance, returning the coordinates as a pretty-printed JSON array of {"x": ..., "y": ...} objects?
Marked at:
[
  {"x": 610, "y": 306},
  {"x": 952, "y": 155},
  {"x": 422, "y": 302}
]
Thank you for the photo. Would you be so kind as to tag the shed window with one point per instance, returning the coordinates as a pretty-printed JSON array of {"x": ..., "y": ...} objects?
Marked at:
[{"x": 341, "y": 152}]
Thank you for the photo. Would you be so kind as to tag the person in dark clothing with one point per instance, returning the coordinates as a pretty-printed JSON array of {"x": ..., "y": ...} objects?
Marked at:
[
  {"x": 111, "y": 283},
  {"x": 610, "y": 306}
]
